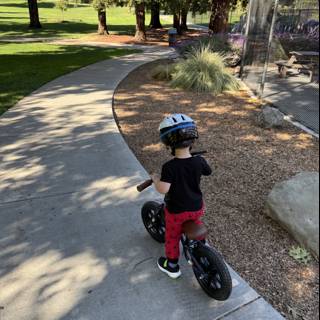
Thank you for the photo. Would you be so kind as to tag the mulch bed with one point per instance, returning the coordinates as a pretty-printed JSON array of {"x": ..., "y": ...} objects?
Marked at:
[
  {"x": 157, "y": 37},
  {"x": 248, "y": 161}
]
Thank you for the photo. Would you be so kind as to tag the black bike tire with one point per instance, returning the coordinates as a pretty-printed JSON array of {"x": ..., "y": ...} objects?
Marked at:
[
  {"x": 215, "y": 259},
  {"x": 144, "y": 211}
]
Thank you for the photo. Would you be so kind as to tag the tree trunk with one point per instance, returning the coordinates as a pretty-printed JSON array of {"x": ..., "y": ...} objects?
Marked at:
[
  {"x": 260, "y": 17},
  {"x": 184, "y": 20},
  {"x": 155, "y": 15},
  {"x": 177, "y": 22},
  {"x": 102, "y": 26},
  {"x": 34, "y": 14},
  {"x": 219, "y": 16},
  {"x": 140, "y": 24}
]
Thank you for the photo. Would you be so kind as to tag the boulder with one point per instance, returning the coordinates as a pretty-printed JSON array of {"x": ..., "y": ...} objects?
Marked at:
[
  {"x": 295, "y": 205},
  {"x": 270, "y": 117}
]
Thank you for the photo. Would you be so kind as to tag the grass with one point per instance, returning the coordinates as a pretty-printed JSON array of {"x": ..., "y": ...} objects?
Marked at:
[
  {"x": 26, "y": 67},
  {"x": 164, "y": 71},
  {"x": 79, "y": 21}
]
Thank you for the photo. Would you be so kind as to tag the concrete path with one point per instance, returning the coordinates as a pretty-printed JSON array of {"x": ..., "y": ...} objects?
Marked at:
[
  {"x": 295, "y": 96},
  {"x": 72, "y": 244}
]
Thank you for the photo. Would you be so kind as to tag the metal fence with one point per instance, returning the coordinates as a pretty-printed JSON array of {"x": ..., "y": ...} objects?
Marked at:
[{"x": 281, "y": 56}]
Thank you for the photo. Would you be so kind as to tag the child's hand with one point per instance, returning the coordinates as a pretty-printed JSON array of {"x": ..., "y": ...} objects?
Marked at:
[
  {"x": 155, "y": 177},
  {"x": 162, "y": 187}
]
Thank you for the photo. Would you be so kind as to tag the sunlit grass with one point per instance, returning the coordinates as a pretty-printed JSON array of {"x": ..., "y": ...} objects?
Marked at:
[
  {"x": 25, "y": 67},
  {"x": 81, "y": 20}
]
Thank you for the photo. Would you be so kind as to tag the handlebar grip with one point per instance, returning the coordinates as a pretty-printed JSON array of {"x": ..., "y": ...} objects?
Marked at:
[
  {"x": 198, "y": 153},
  {"x": 144, "y": 185}
]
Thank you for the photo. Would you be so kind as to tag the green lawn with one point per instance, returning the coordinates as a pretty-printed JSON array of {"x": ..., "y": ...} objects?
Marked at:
[
  {"x": 25, "y": 67},
  {"x": 81, "y": 20}
]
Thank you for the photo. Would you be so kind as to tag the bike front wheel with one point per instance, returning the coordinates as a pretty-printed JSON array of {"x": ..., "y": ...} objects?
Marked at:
[
  {"x": 151, "y": 214},
  {"x": 213, "y": 275}
]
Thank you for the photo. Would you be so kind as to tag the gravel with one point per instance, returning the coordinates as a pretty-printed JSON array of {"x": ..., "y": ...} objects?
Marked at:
[{"x": 248, "y": 161}]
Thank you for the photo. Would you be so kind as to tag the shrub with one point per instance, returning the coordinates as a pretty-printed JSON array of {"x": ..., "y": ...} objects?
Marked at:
[
  {"x": 203, "y": 71},
  {"x": 163, "y": 72},
  {"x": 217, "y": 43}
]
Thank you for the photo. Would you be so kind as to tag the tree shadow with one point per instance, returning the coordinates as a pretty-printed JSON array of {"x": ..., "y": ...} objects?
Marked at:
[
  {"x": 71, "y": 241},
  {"x": 47, "y": 257},
  {"x": 10, "y": 18},
  {"x": 47, "y": 5},
  {"x": 54, "y": 29},
  {"x": 58, "y": 29}
]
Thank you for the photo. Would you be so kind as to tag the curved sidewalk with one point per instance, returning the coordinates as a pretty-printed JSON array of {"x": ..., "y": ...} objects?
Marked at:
[{"x": 72, "y": 244}]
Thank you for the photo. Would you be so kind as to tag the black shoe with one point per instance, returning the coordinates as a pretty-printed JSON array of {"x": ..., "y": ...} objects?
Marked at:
[{"x": 173, "y": 273}]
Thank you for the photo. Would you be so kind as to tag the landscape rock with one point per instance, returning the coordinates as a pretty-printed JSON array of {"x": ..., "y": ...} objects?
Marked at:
[
  {"x": 232, "y": 59},
  {"x": 295, "y": 205},
  {"x": 270, "y": 117}
]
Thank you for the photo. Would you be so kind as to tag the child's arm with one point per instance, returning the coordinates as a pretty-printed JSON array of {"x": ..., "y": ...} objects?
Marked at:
[
  {"x": 206, "y": 169},
  {"x": 161, "y": 187}
]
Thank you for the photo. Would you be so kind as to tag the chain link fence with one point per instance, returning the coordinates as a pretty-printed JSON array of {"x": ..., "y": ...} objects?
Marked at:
[{"x": 281, "y": 56}]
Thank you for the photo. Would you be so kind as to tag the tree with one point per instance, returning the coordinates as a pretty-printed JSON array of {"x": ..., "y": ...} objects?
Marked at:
[
  {"x": 220, "y": 13},
  {"x": 62, "y": 5},
  {"x": 155, "y": 14},
  {"x": 219, "y": 16},
  {"x": 174, "y": 7},
  {"x": 180, "y": 10},
  {"x": 101, "y": 7},
  {"x": 140, "y": 21},
  {"x": 34, "y": 14},
  {"x": 140, "y": 12},
  {"x": 185, "y": 8},
  {"x": 261, "y": 17}
]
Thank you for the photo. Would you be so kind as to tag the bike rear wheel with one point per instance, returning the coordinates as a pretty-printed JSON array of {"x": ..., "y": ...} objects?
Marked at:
[
  {"x": 214, "y": 278},
  {"x": 151, "y": 214}
]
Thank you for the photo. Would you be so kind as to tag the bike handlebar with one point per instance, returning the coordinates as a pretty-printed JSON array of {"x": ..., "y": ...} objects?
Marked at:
[
  {"x": 144, "y": 185},
  {"x": 149, "y": 182},
  {"x": 198, "y": 153}
]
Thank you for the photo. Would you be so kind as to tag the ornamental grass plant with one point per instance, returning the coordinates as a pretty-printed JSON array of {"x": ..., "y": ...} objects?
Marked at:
[
  {"x": 164, "y": 72},
  {"x": 204, "y": 71}
]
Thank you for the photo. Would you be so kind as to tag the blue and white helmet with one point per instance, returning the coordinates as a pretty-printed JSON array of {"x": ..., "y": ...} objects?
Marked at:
[{"x": 178, "y": 131}]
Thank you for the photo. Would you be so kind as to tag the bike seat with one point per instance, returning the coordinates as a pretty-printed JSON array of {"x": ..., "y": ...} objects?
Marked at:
[{"x": 194, "y": 231}]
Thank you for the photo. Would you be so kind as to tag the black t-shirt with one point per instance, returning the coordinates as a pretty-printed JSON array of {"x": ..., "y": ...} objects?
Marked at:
[{"x": 184, "y": 175}]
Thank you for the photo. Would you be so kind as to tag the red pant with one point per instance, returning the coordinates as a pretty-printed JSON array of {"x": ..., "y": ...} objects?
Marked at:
[{"x": 174, "y": 230}]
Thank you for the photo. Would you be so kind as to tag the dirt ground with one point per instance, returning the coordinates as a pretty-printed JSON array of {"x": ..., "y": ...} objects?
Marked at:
[
  {"x": 248, "y": 161},
  {"x": 154, "y": 37}
]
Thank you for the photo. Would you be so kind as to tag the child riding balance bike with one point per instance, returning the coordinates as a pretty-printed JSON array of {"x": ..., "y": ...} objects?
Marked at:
[{"x": 179, "y": 218}]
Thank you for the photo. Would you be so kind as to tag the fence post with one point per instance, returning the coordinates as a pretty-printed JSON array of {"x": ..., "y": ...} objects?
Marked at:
[
  {"x": 245, "y": 43},
  {"x": 266, "y": 64}
]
